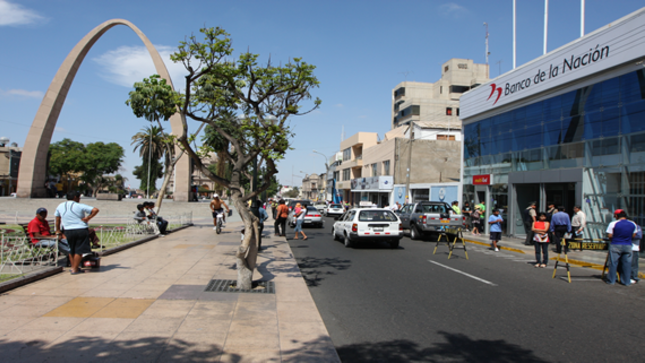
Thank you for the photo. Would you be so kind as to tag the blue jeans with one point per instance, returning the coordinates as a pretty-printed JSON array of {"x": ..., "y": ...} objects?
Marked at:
[
  {"x": 635, "y": 266},
  {"x": 542, "y": 252},
  {"x": 298, "y": 225},
  {"x": 622, "y": 253},
  {"x": 63, "y": 246}
]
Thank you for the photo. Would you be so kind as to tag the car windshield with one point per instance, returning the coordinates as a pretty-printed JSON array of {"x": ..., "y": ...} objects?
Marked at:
[
  {"x": 335, "y": 206},
  {"x": 311, "y": 209},
  {"x": 376, "y": 216}
]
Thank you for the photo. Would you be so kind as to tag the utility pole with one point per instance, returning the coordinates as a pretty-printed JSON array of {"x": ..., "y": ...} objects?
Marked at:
[
  {"x": 582, "y": 18},
  {"x": 487, "y": 52},
  {"x": 408, "y": 192},
  {"x": 514, "y": 42}
]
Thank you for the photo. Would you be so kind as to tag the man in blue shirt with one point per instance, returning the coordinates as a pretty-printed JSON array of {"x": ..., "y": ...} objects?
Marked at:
[
  {"x": 73, "y": 217},
  {"x": 621, "y": 232},
  {"x": 495, "y": 222},
  {"x": 560, "y": 225},
  {"x": 263, "y": 217}
]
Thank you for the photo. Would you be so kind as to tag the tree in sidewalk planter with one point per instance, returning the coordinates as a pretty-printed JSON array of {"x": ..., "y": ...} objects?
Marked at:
[{"x": 256, "y": 101}]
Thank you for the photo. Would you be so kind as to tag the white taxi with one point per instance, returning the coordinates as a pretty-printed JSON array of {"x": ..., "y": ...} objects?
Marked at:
[{"x": 368, "y": 224}]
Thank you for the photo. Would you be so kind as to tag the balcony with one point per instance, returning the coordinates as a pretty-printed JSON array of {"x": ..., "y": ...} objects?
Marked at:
[{"x": 355, "y": 163}]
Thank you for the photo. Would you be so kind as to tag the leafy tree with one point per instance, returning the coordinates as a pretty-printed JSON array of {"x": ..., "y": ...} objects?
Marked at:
[
  {"x": 141, "y": 173},
  {"x": 71, "y": 159},
  {"x": 293, "y": 193},
  {"x": 255, "y": 103}
]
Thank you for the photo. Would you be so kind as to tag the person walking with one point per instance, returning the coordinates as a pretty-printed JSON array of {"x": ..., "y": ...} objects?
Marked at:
[
  {"x": 540, "y": 230},
  {"x": 635, "y": 251},
  {"x": 578, "y": 222},
  {"x": 495, "y": 222},
  {"x": 621, "y": 232},
  {"x": 560, "y": 225},
  {"x": 73, "y": 217},
  {"x": 281, "y": 222},
  {"x": 274, "y": 208},
  {"x": 299, "y": 214},
  {"x": 475, "y": 221},
  {"x": 529, "y": 218},
  {"x": 263, "y": 217},
  {"x": 466, "y": 211}
]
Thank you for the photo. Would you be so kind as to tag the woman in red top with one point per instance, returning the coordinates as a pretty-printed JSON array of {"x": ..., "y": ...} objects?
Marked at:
[{"x": 541, "y": 237}]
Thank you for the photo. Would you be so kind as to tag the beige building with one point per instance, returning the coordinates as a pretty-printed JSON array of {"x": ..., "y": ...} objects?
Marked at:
[
  {"x": 311, "y": 186},
  {"x": 197, "y": 179},
  {"x": 439, "y": 101},
  {"x": 351, "y": 166},
  {"x": 9, "y": 163}
]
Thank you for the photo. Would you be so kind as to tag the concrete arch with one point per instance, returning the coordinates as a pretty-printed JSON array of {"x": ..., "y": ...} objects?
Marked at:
[{"x": 31, "y": 178}]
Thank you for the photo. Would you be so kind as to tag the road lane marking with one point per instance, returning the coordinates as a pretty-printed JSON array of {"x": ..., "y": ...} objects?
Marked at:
[{"x": 463, "y": 273}]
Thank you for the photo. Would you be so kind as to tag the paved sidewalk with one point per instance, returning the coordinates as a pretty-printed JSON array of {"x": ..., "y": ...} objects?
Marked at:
[{"x": 148, "y": 304}]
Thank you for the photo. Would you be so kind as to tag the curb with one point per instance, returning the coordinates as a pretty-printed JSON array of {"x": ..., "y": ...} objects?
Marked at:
[
  {"x": 24, "y": 280},
  {"x": 574, "y": 262}
]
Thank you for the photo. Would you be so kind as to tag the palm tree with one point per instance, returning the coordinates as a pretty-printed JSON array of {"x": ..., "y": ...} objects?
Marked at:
[{"x": 150, "y": 143}]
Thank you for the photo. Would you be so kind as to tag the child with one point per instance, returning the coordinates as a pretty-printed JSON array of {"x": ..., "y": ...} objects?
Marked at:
[
  {"x": 495, "y": 222},
  {"x": 475, "y": 221}
]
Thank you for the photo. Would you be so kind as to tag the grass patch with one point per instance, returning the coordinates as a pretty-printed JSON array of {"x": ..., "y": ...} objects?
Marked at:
[{"x": 7, "y": 277}]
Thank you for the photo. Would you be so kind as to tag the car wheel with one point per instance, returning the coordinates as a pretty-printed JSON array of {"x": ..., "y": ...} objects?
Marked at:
[
  {"x": 333, "y": 233},
  {"x": 414, "y": 233},
  {"x": 348, "y": 243},
  {"x": 394, "y": 244}
]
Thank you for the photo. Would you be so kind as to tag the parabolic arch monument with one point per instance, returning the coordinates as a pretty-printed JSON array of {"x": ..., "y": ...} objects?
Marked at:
[{"x": 33, "y": 163}]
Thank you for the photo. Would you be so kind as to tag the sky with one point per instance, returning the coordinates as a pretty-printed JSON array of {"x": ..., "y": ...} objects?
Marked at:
[{"x": 362, "y": 50}]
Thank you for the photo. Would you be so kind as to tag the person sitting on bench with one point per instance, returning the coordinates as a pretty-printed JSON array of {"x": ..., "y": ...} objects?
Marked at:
[
  {"x": 40, "y": 233},
  {"x": 161, "y": 223}
]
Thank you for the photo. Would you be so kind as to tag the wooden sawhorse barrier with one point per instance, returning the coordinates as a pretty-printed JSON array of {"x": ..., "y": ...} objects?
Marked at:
[
  {"x": 458, "y": 236},
  {"x": 579, "y": 244}
]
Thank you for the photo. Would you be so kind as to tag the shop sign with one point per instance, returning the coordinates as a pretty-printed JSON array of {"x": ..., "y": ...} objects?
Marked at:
[
  {"x": 385, "y": 182},
  {"x": 483, "y": 179},
  {"x": 610, "y": 46}
]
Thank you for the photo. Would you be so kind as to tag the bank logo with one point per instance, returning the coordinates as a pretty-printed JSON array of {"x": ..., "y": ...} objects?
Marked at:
[{"x": 492, "y": 92}]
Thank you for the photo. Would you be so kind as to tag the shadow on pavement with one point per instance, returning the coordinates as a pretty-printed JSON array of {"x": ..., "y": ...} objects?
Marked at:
[
  {"x": 315, "y": 269},
  {"x": 457, "y": 348},
  {"x": 92, "y": 348}
]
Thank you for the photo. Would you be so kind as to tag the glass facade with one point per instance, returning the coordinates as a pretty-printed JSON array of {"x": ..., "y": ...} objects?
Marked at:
[{"x": 599, "y": 129}]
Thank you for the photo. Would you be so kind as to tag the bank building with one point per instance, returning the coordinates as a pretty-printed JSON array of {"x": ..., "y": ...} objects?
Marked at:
[{"x": 566, "y": 128}]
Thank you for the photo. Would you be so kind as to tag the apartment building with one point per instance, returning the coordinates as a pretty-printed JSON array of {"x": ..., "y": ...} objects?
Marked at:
[
  {"x": 9, "y": 163},
  {"x": 439, "y": 101}
]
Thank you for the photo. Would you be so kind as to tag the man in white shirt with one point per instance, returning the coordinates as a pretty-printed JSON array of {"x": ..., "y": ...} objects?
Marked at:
[{"x": 579, "y": 221}]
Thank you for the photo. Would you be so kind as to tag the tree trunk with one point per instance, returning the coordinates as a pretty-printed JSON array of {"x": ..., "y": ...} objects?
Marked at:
[
  {"x": 247, "y": 253},
  {"x": 166, "y": 180}
]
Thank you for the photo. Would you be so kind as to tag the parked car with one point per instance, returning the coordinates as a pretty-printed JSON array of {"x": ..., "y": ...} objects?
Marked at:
[
  {"x": 312, "y": 218},
  {"x": 428, "y": 218},
  {"x": 321, "y": 206},
  {"x": 368, "y": 225},
  {"x": 334, "y": 210}
]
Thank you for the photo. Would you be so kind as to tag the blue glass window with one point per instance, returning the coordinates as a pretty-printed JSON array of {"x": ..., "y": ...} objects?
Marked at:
[
  {"x": 610, "y": 121},
  {"x": 633, "y": 117},
  {"x": 552, "y": 108},
  {"x": 632, "y": 87},
  {"x": 610, "y": 92},
  {"x": 518, "y": 139},
  {"x": 533, "y": 137},
  {"x": 534, "y": 113},
  {"x": 485, "y": 146},
  {"x": 593, "y": 125},
  {"x": 484, "y": 128},
  {"x": 593, "y": 95},
  {"x": 572, "y": 129},
  {"x": 571, "y": 103},
  {"x": 552, "y": 133}
]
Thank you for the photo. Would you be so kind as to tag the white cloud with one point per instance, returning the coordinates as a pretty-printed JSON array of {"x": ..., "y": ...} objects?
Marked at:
[
  {"x": 128, "y": 64},
  {"x": 339, "y": 105},
  {"x": 59, "y": 129},
  {"x": 14, "y": 14},
  {"x": 452, "y": 9},
  {"x": 23, "y": 93}
]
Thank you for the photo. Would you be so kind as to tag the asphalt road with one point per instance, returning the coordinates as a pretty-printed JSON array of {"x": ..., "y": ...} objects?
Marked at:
[{"x": 407, "y": 305}]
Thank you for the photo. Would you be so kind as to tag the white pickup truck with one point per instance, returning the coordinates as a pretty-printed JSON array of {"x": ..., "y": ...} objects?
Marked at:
[{"x": 427, "y": 218}]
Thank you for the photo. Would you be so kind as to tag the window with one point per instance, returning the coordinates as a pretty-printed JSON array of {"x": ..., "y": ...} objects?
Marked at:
[
  {"x": 347, "y": 154},
  {"x": 374, "y": 169},
  {"x": 376, "y": 216},
  {"x": 459, "y": 89},
  {"x": 386, "y": 167},
  {"x": 397, "y": 105},
  {"x": 346, "y": 175},
  {"x": 445, "y": 69},
  {"x": 448, "y": 111},
  {"x": 440, "y": 89},
  {"x": 337, "y": 175},
  {"x": 410, "y": 110},
  {"x": 399, "y": 92},
  {"x": 446, "y": 137},
  {"x": 457, "y": 111}
]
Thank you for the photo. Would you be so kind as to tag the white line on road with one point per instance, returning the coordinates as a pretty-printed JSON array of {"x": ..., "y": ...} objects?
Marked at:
[{"x": 463, "y": 273}]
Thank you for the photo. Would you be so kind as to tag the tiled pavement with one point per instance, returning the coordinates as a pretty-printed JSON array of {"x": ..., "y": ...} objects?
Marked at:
[{"x": 148, "y": 304}]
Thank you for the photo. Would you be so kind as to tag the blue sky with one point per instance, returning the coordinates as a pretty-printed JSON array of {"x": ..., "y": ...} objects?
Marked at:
[{"x": 362, "y": 50}]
